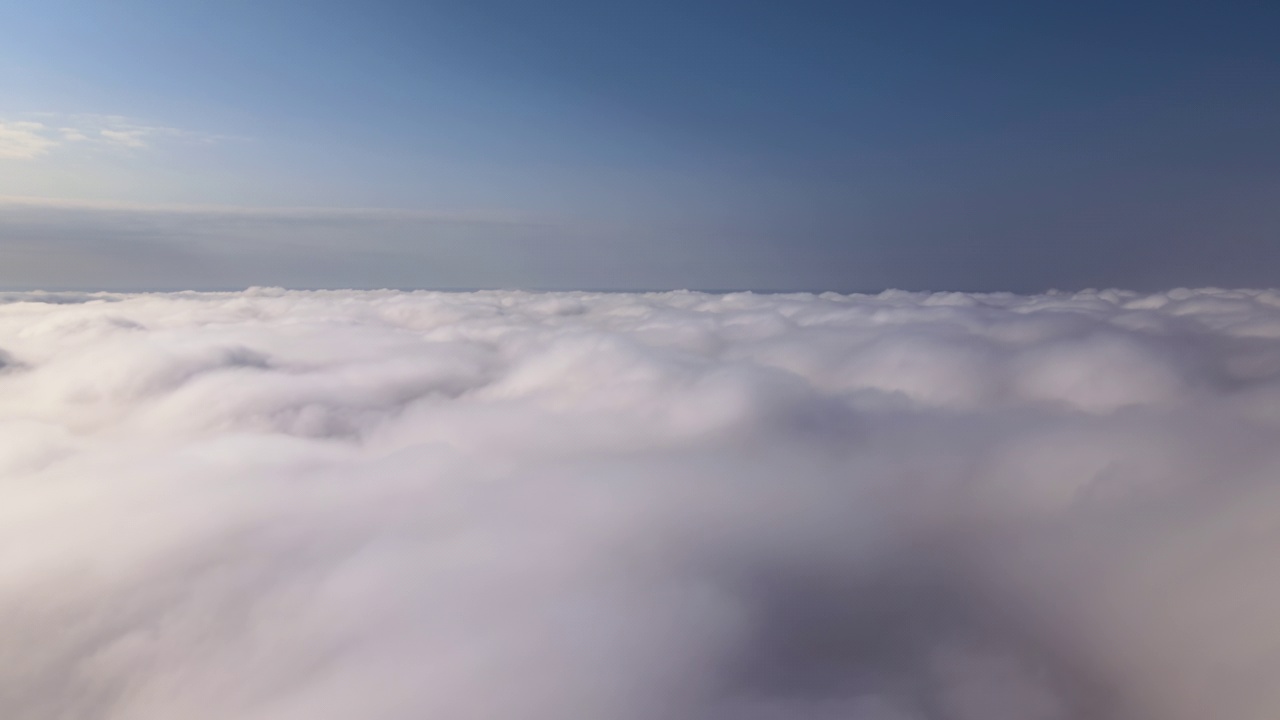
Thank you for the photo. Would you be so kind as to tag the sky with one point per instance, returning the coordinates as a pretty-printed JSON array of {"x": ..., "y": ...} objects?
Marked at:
[{"x": 701, "y": 144}]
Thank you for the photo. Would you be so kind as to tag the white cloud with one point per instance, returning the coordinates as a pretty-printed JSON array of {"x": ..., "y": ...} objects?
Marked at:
[
  {"x": 24, "y": 140},
  {"x": 28, "y": 140},
  {"x": 128, "y": 138},
  {"x": 494, "y": 505}
]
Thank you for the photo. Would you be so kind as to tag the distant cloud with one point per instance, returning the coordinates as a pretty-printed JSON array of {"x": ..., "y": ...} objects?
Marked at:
[
  {"x": 276, "y": 213},
  {"x": 48, "y": 243},
  {"x": 24, "y": 140},
  {"x": 42, "y": 133},
  {"x": 127, "y": 138}
]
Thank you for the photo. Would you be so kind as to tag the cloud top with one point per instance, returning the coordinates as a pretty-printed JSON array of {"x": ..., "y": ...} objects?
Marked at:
[{"x": 281, "y": 504}]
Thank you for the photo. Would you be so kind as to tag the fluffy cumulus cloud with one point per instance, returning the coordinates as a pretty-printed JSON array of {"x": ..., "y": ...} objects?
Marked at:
[{"x": 501, "y": 505}]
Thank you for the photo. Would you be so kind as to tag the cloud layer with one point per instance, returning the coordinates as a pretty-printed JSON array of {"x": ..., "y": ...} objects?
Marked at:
[{"x": 315, "y": 505}]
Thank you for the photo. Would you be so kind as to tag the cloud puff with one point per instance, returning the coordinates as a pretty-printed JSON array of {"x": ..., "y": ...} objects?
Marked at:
[{"x": 278, "y": 504}]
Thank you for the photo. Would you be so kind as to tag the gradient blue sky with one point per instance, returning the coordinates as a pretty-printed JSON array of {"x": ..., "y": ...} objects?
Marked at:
[{"x": 706, "y": 144}]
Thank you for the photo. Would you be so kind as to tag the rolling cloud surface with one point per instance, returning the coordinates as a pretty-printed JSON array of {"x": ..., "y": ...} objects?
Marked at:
[{"x": 535, "y": 506}]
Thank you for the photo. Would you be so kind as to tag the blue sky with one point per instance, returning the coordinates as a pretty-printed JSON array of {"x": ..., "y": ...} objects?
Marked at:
[{"x": 711, "y": 144}]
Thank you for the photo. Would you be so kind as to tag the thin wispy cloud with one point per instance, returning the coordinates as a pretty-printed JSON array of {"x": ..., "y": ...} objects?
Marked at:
[
  {"x": 24, "y": 140},
  {"x": 36, "y": 135},
  {"x": 11, "y": 203},
  {"x": 72, "y": 134},
  {"x": 126, "y": 138},
  {"x": 46, "y": 242}
]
